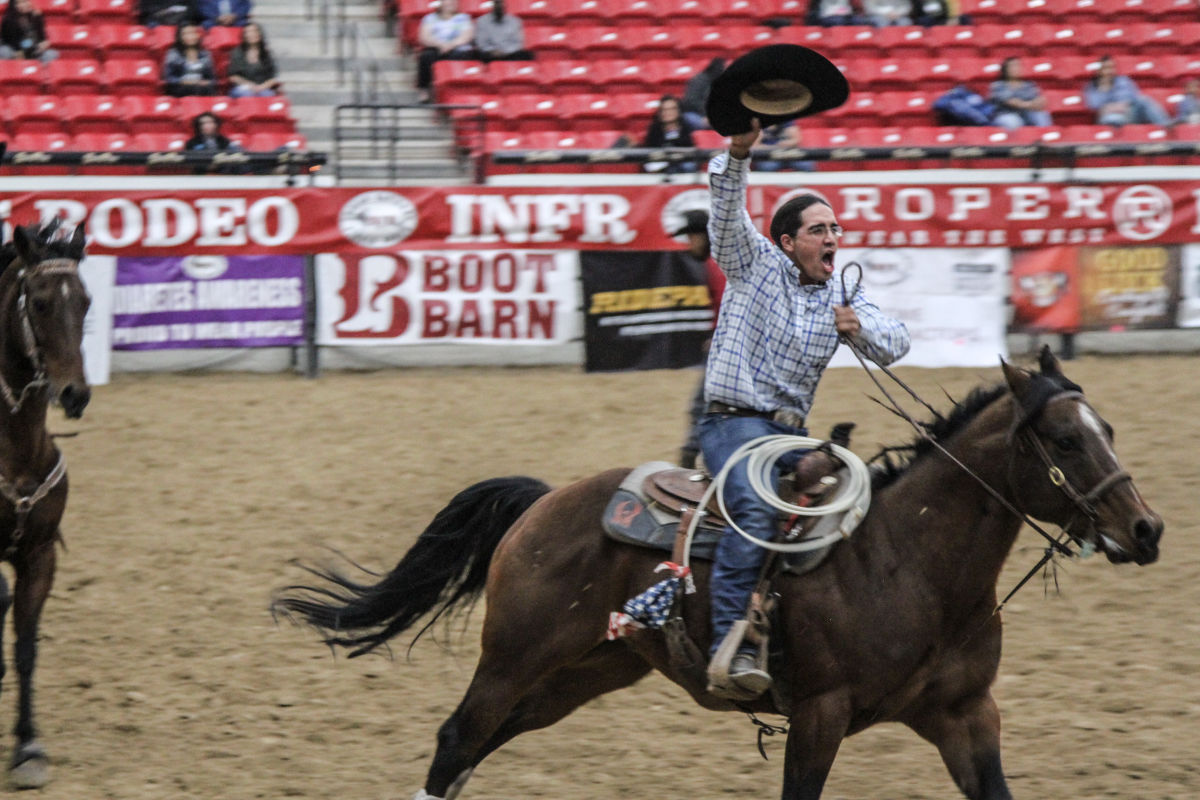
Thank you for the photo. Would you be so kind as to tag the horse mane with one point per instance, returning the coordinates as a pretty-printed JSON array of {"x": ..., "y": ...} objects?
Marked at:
[
  {"x": 887, "y": 470},
  {"x": 48, "y": 237}
]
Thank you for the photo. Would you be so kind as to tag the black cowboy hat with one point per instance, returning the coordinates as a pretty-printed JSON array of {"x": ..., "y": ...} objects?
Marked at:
[
  {"x": 694, "y": 221},
  {"x": 776, "y": 83}
]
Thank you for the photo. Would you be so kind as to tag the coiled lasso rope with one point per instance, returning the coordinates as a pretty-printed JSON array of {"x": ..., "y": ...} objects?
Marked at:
[{"x": 851, "y": 500}]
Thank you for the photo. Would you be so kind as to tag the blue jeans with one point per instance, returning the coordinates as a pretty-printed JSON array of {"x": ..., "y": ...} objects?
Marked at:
[{"x": 738, "y": 561}]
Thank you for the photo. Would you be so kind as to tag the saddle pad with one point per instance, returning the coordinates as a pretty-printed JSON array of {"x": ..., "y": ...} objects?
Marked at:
[{"x": 631, "y": 518}]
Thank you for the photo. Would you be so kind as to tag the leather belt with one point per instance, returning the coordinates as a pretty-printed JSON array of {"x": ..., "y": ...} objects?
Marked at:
[{"x": 784, "y": 416}]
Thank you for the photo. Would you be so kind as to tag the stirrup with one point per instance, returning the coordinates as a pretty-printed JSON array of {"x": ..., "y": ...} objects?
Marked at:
[{"x": 720, "y": 682}]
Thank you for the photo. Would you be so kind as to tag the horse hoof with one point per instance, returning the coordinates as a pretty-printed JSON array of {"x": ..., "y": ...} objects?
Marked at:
[{"x": 30, "y": 768}]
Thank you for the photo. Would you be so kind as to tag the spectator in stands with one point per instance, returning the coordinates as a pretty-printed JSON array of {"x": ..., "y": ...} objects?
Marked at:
[
  {"x": 938, "y": 12},
  {"x": 224, "y": 12},
  {"x": 834, "y": 12},
  {"x": 785, "y": 134},
  {"x": 1117, "y": 100},
  {"x": 23, "y": 33},
  {"x": 882, "y": 13},
  {"x": 153, "y": 13},
  {"x": 444, "y": 33},
  {"x": 500, "y": 36},
  {"x": 695, "y": 94},
  {"x": 1188, "y": 108},
  {"x": 207, "y": 136},
  {"x": 188, "y": 68},
  {"x": 668, "y": 128},
  {"x": 251, "y": 66},
  {"x": 1018, "y": 102}
]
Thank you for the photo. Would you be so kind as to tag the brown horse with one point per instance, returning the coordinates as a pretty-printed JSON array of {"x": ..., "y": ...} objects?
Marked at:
[
  {"x": 898, "y": 624},
  {"x": 42, "y": 306}
]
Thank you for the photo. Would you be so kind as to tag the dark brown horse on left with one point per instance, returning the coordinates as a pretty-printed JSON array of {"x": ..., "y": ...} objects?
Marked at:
[{"x": 43, "y": 303}]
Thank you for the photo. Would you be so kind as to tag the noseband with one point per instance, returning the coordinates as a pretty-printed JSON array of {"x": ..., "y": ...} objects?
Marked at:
[
  {"x": 1084, "y": 502},
  {"x": 54, "y": 266}
]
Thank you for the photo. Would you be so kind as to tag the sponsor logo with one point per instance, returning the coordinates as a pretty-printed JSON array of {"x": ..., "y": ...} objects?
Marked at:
[
  {"x": 1142, "y": 212},
  {"x": 885, "y": 267},
  {"x": 203, "y": 268},
  {"x": 673, "y": 213},
  {"x": 1044, "y": 289},
  {"x": 378, "y": 219}
]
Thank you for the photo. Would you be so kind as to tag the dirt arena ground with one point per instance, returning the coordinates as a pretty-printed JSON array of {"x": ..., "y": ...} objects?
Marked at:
[{"x": 162, "y": 674}]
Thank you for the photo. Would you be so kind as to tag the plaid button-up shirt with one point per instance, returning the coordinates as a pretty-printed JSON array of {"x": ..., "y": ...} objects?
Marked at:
[{"x": 775, "y": 336}]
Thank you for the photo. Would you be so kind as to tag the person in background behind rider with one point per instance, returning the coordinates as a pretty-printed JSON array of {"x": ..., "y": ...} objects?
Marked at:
[
  {"x": 781, "y": 317},
  {"x": 695, "y": 228}
]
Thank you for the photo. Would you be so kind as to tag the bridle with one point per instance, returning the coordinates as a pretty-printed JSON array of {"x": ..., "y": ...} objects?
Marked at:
[
  {"x": 23, "y": 503},
  {"x": 55, "y": 266},
  {"x": 1083, "y": 502}
]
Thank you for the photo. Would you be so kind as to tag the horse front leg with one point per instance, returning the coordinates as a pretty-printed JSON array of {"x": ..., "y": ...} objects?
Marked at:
[
  {"x": 967, "y": 735},
  {"x": 815, "y": 732},
  {"x": 35, "y": 574}
]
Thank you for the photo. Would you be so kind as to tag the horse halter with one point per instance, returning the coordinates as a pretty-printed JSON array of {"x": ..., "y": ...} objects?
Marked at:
[
  {"x": 54, "y": 266},
  {"x": 1084, "y": 502}
]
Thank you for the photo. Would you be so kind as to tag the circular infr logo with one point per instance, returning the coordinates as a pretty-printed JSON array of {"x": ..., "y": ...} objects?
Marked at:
[
  {"x": 1142, "y": 212},
  {"x": 377, "y": 219}
]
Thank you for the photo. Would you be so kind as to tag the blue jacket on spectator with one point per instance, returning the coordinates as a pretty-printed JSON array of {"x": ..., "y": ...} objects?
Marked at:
[{"x": 211, "y": 12}]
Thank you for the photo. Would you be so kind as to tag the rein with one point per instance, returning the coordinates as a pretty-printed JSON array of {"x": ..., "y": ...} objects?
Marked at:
[
  {"x": 23, "y": 504},
  {"x": 54, "y": 266}
]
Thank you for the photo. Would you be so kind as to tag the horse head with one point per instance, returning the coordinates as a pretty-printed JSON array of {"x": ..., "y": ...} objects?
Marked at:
[
  {"x": 1064, "y": 469},
  {"x": 47, "y": 320}
]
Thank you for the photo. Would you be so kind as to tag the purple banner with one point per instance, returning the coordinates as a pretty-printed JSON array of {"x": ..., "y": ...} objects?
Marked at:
[{"x": 208, "y": 301}]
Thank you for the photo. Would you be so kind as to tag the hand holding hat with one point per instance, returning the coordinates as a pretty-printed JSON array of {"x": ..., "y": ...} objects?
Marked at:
[{"x": 774, "y": 84}]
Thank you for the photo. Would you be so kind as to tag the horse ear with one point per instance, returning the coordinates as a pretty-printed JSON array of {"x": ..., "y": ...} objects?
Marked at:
[
  {"x": 78, "y": 242},
  {"x": 1048, "y": 363},
  {"x": 1018, "y": 379},
  {"x": 27, "y": 248}
]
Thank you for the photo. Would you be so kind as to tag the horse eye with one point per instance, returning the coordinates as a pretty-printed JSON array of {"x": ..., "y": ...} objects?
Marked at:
[{"x": 1066, "y": 443}]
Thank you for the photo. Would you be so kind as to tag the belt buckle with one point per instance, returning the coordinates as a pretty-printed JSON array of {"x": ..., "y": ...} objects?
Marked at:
[{"x": 786, "y": 416}]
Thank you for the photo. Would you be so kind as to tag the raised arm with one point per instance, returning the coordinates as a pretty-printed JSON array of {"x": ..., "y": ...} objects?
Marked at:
[{"x": 735, "y": 241}]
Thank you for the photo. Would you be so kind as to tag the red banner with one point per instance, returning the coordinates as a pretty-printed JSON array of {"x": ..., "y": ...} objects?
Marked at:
[{"x": 314, "y": 220}]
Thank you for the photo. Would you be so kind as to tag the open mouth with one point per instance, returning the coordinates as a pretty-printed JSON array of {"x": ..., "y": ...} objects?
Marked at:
[
  {"x": 1117, "y": 554},
  {"x": 827, "y": 261}
]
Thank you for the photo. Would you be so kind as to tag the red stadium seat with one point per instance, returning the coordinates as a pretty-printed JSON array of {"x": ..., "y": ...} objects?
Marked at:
[
  {"x": 686, "y": 12},
  {"x": 710, "y": 138},
  {"x": 587, "y": 111},
  {"x": 862, "y": 109},
  {"x": 520, "y": 77},
  {"x": 1078, "y": 134},
  {"x": 149, "y": 114},
  {"x": 550, "y": 41},
  {"x": 159, "y": 142},
  {"x": 530, "y": 112},
  {"x": 467, "y": 76},
  {"x": 634, "y": 111},
  {"x": 74, "y": 76},
  {"x": 1143, "y": 133},
  {"x": 634, "y": 12},
  {"x": 906, "y": 41},
  {"x": 21, "y": 77},
  {"x": 597, "y": 140},
  {"x": 28, "y": 113},
  {"x": 30, "y": 141},
  {"x": 128, "y": 41},
  {"x": 962, "y": 41},
  {"x": 102, "y": 142},
  {"x": 907, "y": 109},
  {"x": 534, "y": 11},
  {"x": 94, "y": 113},
  {"x": 734, "y": 12},
  {"x": 989, "y": 11},
  {"x": 568, "y": 75},
  {"x": 932, "y": 136},
  {"x": 263, "y": 115},
  {"x": 222, "y": 39},
  {"x": 586, "y": 12},
  {"x": 1186, "y": 132},
  {"x": 72, "y": 41},
  {"x": 987, "y": 135},
  {"x": 191, "y": 107},
  {"x": 268, "y": 141},
  {"x": 671, "y": 75},
  {"x": 502, "y": 140},
  {"x": 97, "y": 11},
  {"x": 826, "y": 137},
  {"x": 1066, "y": 107},
  {"x": 127, "y": 76},
  {"x": 57, "y": 12},
  {"x": 552, "y": 140},
  {"x": 814, "y": 37},
  {"x": 857, "y": 41},
  {"x": 645, "y": 41},
  {"x": 879, "y": 137}
]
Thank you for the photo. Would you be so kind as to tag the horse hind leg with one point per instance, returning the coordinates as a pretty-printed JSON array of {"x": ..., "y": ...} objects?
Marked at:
[{"x": 494, "y": 712}]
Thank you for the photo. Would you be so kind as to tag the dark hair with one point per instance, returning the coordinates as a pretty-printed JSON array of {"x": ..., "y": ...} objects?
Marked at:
[
  {"x": 1004, "y": 76},
  {"x": 264, "y": 52},
  {"x": 179, "y": 45},
  {"x": 201, "y": 116},
  {"x": 787, "y": 218}
]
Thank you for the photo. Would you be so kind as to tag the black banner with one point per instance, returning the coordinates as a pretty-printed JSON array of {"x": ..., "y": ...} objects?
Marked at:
[{"x": 644, "y": 310}]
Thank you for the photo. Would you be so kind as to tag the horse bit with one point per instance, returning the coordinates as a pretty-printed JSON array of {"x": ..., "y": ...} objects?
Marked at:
[{"x": 23, "y": 504}]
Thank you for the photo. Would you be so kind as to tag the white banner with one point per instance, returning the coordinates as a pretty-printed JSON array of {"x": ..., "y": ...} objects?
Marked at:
[
  {"x": 98, "y": 274},
  {"x": 1189, "y": 287},
  {"x": 952, "y": 300},
  {"x": 504, "y": 297}
]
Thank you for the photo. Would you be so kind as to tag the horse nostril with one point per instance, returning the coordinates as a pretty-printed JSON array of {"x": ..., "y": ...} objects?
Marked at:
[
  {"x": 1148, "y": 530},
  {"x": 74, "y": 400}
]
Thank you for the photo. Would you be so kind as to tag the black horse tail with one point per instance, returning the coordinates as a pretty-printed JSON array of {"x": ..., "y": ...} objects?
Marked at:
[{"x": 446, "y": 567}]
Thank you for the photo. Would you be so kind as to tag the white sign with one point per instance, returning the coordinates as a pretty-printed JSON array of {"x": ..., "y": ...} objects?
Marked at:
[
  {"x": 506, "y": 297},
  {"x": 952, "y": 301},
  {"x": 98, "y": 274}
]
